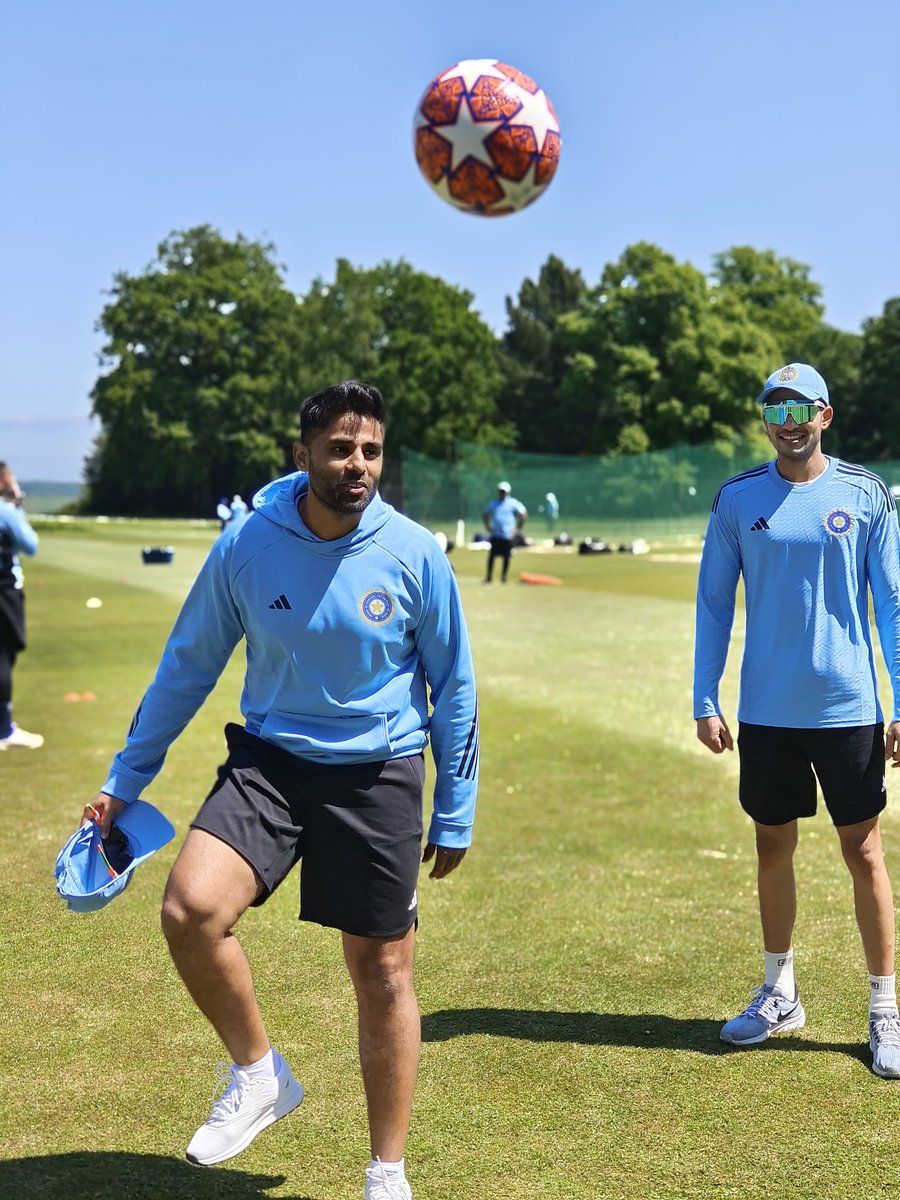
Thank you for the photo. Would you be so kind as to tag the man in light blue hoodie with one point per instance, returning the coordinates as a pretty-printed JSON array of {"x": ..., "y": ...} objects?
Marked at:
[{"x": 357, "y": 652}]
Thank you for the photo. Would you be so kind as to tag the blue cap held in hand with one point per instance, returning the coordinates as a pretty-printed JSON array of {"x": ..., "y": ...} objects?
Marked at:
[{"x": 90, "y": 871}]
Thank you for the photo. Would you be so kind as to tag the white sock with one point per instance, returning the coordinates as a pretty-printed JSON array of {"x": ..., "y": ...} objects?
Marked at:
[
  {"x": 780, "y": 972},
  {"x": 883, "y": 996},
  {"x": 263, "y": 1068},
  {"x": 393, "y": 1170}
]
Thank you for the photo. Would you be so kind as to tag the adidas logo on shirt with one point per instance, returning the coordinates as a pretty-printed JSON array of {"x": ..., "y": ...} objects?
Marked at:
[
  {"x": 281, "y": 602},
  {"x": 758, "y": 524}
]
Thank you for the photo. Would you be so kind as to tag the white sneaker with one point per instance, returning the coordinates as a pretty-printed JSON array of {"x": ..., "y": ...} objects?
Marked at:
[
  {"x": 384, "y": 1184},
  {"x": 245, "y": 1108},
  {"x": 884, "y": 1042},
  {"x": 21, "y": 737}
]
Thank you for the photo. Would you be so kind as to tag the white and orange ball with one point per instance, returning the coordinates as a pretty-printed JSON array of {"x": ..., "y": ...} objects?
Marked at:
[{"x": 486, "y": 137}]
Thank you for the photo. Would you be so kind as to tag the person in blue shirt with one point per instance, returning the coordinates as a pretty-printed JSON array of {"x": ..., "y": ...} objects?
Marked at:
[
  {"x": 813, "y": 537},
  {"x": 16, "y": 537},
  {"x": 551, "y": 510},
  {"x": 502, "y": 518},
  {"x": 357, "y": 655}
]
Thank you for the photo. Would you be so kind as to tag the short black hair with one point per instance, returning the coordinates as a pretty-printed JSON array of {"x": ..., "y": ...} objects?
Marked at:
[{"x": 349, "y": 396}]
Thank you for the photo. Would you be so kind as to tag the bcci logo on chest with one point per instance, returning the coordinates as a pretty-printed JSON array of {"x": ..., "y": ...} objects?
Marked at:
[
  {"x": 838, "y": 522},
  {"x": 377, "y": 606}
]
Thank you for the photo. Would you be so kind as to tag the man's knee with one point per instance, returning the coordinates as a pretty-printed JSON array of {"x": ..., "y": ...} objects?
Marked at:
[
  {"x": 188, "y": 914},
  {"x": 381, "y": 969},
  {"x": 775, "y": 843},
  {"x": 861, "y": 847},
  {"x": 178, "y": 917}
]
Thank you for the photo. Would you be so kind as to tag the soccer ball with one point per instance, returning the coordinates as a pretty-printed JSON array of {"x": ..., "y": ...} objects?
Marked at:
[{"x": 486, "y": 137}]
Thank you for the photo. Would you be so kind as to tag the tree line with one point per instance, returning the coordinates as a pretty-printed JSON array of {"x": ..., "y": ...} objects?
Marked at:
[{"x": 207, "y": 355}]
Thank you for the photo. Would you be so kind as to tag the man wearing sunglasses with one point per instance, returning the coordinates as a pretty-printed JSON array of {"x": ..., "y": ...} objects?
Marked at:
[{"x": 812, "y": 537}]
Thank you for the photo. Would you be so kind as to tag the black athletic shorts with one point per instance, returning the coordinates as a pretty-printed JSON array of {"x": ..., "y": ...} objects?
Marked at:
[
  {"x": 779, "y": 769},
  {"x": 357, "y": 829}
]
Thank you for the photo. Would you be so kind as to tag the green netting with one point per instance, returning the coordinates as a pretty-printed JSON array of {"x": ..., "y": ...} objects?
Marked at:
[{"x": 669, "y": 491}]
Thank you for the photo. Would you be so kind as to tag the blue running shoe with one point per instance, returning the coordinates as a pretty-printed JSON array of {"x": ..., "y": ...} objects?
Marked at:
[
  {"x": 884, "y": 1042},
  {"x": 768, "y": 1012}
]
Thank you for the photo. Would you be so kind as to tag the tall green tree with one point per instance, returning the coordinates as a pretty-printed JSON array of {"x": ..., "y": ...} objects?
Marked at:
[
  {"x": 199, "y": 390},
  {"x": 542, "y": 344},
  {"x": 778, "y": 293},
  {"x": 658, "y": 359},
  {"x": 418, "y": 339},
  {"x": 877, "y": 421}
]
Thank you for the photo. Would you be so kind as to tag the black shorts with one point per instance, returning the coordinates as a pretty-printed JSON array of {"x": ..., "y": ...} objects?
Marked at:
[
  {"x": 779, "y": 769},
  {"x": 12, "y": 620},
  {"x": 357, "y": 828}
]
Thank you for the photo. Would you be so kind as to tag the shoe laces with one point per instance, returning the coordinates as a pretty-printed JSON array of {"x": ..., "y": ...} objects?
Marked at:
[
  {"x": 764, "y": 1004},
  {"x": 233, "y": 1087},
  {"x": 386, "y": 1188},
  {"x": 886, "y": 1029}
]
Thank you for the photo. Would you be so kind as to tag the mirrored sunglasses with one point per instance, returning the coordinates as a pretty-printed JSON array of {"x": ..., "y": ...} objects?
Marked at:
[{"x": 777, "y": 414}]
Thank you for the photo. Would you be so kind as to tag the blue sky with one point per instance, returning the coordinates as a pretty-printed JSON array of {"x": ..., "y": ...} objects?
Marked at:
[{"x": 695, "y": 125}]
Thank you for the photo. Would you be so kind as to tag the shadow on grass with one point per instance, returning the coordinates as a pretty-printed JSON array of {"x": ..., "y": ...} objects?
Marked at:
[
  {"x": 649, "y": 1031},
  {"x": 108, "y": 1175}
]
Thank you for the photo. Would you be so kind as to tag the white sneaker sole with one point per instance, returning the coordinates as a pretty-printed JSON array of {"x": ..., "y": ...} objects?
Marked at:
[
  {"x": 882, "y": 1074},
  {"x": 285, "y": 1104},
  {"x": 797, "y": 1021}
]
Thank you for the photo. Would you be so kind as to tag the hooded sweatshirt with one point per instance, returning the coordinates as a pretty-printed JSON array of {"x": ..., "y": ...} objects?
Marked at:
[{"x": 346, "y": 643}]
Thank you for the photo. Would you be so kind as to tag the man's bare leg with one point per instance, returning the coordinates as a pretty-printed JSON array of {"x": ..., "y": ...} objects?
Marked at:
[
  {"x": 389, "y": 1035},
  {"x": 775, "y": 846},
  {"x": 874, "y": 903},
  {"x": 209, "y": 888}
]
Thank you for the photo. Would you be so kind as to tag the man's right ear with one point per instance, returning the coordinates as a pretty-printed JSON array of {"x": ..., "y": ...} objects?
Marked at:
[{"x": 301, "y": 462}]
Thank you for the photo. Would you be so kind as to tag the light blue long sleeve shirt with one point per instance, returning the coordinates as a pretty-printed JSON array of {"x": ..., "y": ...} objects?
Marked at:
[
  {"x": 16, "y": 537},
  {"x": 810, "y": 554},
  {"x": 347, "y": 641}
]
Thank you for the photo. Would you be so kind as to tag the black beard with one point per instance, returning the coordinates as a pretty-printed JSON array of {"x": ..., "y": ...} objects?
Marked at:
[{"x": 339, "y": 503}]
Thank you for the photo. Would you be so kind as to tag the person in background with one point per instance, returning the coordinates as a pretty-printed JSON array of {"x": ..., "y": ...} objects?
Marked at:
[
  {"x": 812, "y": 537},
  {"x": 16, "y": 537},
  {"x": 238, "y": 512},
  {"x": 551, "y": 510},
  {"x": 503, "y": 518}
]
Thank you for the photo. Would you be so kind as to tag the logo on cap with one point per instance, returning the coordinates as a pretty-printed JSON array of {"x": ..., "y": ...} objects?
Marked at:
[
  {"x": 838, "y": 522},
  {"x": 786, "y": 374}
]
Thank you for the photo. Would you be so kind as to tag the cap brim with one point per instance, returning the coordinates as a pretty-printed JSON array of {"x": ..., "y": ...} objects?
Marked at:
[
  {"x": 805, "y": 392},
  {"x": 146, "y": 828}
]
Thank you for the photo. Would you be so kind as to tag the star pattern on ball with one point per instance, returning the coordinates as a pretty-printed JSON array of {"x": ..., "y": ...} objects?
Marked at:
[
  {"x": 537, "y": 113},
  {"x": 486, "y": 137},
  {"x": 472, "y": 69},
  {"x": 519, "y": 194},
  {"x": 459, "y": 135}
]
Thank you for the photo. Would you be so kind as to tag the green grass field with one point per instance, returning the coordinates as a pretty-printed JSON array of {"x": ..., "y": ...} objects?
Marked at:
[{"x": 572, "y": 975}]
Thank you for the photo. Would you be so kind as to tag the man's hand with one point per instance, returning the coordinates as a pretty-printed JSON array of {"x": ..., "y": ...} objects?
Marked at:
[
  {"x": 445, "y": 860},
  {"x": 892, "y": 743},
  {"x": 714, "y": 734},
  {"x": 103, "y": 809}
]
